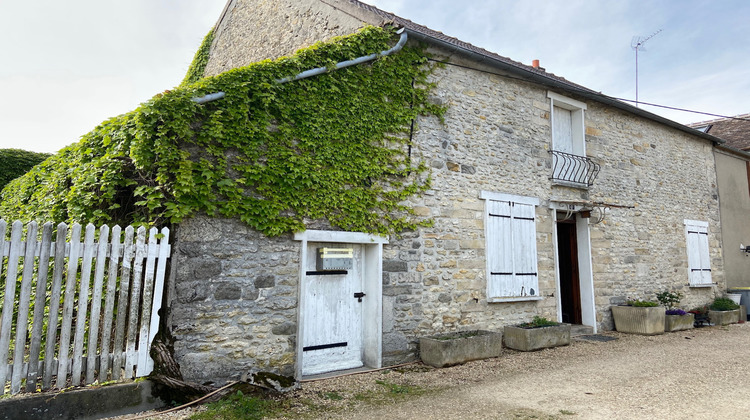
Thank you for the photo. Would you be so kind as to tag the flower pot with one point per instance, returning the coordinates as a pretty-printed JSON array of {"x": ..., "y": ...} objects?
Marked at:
[
  {"x": 639, "y": 320},
  {"x": 724, "y": 317},
  {"x": 529, "y": 339},
  {"x": 736, "y": 297},
  {"x": 459, "y": 347},
  {"x": 678, "y": 322}
]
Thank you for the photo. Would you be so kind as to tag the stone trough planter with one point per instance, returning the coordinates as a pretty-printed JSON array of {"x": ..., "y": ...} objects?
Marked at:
[
  {"x": 460, "y": 347},
  {"x": 530, "y": 339},
  {"x": 678, "y": 322},
  {"x": 639, "y": 320},
  {"x": 724, "y": 317}
]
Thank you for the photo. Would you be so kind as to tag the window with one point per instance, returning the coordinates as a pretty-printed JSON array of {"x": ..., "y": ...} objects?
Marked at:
[
  {"x": 699, "y": 261},
  {"x": 567, "y": 125},
  {"x": 570, "y": 166},
  {"x": 510, "y": 232}
]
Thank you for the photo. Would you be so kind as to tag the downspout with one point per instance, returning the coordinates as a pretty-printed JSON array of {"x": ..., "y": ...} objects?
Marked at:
[{"x": 320, "y": 70}]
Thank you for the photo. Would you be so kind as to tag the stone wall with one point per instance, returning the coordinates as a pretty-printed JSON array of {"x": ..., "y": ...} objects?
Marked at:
[
  {"x": 255, "y": 30},
  {"x": 233, "y": 300},
  {"x": 236, "y": 291}
]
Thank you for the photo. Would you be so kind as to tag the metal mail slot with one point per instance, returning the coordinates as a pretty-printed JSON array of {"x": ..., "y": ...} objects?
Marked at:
[{"x": 334, "y": 259}]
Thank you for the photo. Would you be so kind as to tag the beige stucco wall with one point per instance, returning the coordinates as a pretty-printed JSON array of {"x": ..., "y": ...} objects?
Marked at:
[
  {"x": 495, "y": 137},
  {"x": 734, "y": 196}
]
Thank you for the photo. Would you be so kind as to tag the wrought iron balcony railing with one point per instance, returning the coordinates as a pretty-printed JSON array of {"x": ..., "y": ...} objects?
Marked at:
[{"x": 573, "y": 168}]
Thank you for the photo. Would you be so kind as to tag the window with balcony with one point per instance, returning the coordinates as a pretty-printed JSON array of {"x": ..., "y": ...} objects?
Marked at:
[{"x": 570, "y": 166}]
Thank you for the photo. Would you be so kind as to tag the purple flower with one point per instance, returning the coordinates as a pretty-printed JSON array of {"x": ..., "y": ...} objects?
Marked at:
[{"x": 675, "y": 312}]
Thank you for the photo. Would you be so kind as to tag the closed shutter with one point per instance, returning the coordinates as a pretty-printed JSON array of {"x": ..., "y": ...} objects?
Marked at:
[
  {"x": 524, "y": 250},
  {"x": 563, "y": 130},
  {"x": 511, "y": 250},
  {"x": 699, "y": 260},
  {"x": 499, "y": 242}
]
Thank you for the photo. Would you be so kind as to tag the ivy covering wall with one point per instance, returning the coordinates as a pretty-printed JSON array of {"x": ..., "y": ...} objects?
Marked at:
[{"x": 333, "y": 147}]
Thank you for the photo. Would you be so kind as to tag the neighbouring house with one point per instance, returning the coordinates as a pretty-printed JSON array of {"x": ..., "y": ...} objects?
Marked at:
[
  {"x": 733, "y": 177},
  {"x": 547, "y": 199}
]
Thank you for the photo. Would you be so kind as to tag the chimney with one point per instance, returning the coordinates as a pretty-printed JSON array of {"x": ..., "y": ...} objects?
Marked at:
[{"x": 535, "y": 64}]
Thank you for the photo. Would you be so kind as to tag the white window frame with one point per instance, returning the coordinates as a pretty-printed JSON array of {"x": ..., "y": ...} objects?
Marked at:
[
  {"x": 698, "y": 256},
  {"x": 530, "y": 275},
  {"x": 577, "y": 126}
]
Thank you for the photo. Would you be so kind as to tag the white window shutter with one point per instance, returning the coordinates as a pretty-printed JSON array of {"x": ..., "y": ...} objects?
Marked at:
[
  {"x": 563, "y": 130},
  {"x": 524, "y": 250},
  {"x": 699, "y": 259},
  {"x": 499, "y": 240},
  {"x": 511, "y": 250}
]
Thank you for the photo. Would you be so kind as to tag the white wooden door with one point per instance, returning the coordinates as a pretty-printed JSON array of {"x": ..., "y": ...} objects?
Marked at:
[{"x": 332, "y": 315}]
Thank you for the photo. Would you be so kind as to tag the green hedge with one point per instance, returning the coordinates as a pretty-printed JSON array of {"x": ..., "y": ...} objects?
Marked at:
[{"x": 16, "y": 162}]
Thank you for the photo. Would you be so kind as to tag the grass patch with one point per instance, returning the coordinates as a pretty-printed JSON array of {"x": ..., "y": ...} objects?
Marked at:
[
  {"x": 567, "y": 413},
  {"x": 239, "y": 406}
]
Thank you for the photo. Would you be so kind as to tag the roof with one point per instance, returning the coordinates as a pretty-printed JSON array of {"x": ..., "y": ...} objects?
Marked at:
[
  {"x": 529, "y": 73},
  {"x": 735, "y": 130},
  {"x": 537, "y": 75}
]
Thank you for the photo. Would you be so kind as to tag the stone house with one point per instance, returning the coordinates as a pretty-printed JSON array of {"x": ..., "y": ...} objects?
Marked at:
[
  {"x": 548, "y": 199},
  {"x": 733, "y": 177}
]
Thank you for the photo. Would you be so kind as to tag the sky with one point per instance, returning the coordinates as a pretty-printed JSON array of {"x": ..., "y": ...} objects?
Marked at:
[{"x": 68, "y": 65}]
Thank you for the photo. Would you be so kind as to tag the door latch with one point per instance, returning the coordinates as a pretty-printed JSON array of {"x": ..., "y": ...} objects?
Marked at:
[{"x": 359, "y": 296}]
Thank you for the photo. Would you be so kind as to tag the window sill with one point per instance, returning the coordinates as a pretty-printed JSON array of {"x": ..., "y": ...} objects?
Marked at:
[
  {"x": 514, "y": 299},
  {"x": 700, "y": 286},
  {"x": 577, "y": 185}
]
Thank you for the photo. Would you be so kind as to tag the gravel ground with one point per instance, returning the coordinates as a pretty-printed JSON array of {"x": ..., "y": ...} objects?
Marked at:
[{"x": 699, "y": 373}]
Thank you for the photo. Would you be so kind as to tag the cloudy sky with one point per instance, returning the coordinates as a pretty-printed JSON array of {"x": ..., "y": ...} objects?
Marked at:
[{"x": 68, "y": 65}]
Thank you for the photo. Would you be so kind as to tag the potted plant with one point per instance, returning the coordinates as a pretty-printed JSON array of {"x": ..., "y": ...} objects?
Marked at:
[
  {"x": 540, "y": 333},
  {"x": 639, "y": 317},
  {"x": 724, "y": 311},
  {"x": 459, "y": 347},
  {"x": 675, "y": 319}
]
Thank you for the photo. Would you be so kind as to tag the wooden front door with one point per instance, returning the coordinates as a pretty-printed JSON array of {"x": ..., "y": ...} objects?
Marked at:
[
  {"x": 570, "y": 285},
  {"x": 332, "y": 314}
]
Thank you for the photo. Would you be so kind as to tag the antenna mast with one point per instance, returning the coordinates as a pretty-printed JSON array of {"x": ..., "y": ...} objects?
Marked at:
[{"x": 637, "y": 44}]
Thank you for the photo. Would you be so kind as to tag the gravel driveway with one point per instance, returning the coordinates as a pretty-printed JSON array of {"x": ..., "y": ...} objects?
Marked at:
[{"x": 700, "y": 373}]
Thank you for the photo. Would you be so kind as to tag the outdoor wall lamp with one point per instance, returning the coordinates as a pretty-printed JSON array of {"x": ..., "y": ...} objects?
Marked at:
[{"x": 745, "y": 248}]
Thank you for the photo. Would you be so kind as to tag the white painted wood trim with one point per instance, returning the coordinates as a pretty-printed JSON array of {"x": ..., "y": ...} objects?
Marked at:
[
  {"x": 585, "y": 273},
  {"x": 338, "y": 236},
  {"x": 514, "y": 299},
  {"x": 565, "y": 102},
  {"x": 558, "y": 288},
  {"x": 696, "y": 223},
  {"x": 490, "y": 195}
]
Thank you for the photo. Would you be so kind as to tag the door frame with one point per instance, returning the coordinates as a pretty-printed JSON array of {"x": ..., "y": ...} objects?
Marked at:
[
  {"x": 585, "y": 271},
  {"x": 372, "y": 284}
]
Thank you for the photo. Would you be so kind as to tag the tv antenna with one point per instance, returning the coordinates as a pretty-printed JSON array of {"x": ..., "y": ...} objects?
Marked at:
[{"x": 637, "y": 44}]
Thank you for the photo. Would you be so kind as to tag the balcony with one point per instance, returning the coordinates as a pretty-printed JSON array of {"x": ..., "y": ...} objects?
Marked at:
[{"x": 579, "y": 171}]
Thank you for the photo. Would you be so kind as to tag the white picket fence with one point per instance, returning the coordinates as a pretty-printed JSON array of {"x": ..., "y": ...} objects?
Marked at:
[{"x": 50, "y": 298}]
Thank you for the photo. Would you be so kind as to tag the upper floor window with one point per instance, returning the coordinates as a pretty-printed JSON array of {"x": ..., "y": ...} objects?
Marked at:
[{"x": 570, "y": 165}]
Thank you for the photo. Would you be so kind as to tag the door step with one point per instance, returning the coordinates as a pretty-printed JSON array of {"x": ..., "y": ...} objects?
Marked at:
[{"x": 578, "y": 330}]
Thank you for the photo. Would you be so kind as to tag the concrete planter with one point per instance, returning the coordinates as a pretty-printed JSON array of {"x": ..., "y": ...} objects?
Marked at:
[
  {"x": 679, "y": 322},
  {"x": 724, "y": 317},
  {"x": 639, "y": 320},
  {"x": 460, "y": 347},
  {"x": 529, "y": 339}
]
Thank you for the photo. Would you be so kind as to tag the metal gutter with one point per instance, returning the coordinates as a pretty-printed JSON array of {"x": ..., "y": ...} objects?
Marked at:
[
  {"x": 556, "y": 84},
  {"x": 320, "y": 70}
]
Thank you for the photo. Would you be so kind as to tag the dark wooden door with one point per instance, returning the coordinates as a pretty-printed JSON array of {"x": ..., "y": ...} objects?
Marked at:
[{"x": 570, "y": 286}]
